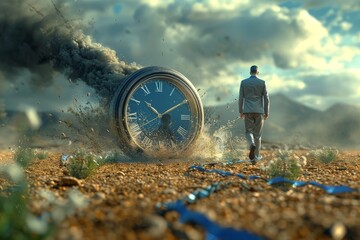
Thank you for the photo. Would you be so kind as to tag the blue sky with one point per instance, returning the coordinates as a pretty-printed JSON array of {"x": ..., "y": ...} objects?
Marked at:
[{"x": 307, "y": 50}]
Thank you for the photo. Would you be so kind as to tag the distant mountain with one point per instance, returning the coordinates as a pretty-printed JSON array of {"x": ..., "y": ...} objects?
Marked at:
[
  {"x": 290, "y": 122},
  {"x": 293, "y": 122}
]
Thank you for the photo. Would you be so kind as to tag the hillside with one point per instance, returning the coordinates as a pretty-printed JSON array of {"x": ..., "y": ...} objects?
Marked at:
[
  {"x": 290, "y": 122},
  {"x": 293, "y": 122}
]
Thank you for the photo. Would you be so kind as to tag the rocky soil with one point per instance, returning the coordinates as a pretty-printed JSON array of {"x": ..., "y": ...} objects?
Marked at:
[{"x": 121, "y": 199}]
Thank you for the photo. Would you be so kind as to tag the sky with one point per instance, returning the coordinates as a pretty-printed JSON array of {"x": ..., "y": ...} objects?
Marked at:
[{"x": 306, "y": 50}]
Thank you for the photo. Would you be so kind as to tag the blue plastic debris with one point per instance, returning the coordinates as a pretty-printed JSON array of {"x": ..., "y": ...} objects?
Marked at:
[
  {"x": 214, "y": 230},
  {"x": 276, "y": 180}
]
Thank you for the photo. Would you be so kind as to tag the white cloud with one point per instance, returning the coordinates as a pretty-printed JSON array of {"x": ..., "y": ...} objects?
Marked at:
[
  {"x": 209, "y": 41},
  {"x": 276, "y": 83}
]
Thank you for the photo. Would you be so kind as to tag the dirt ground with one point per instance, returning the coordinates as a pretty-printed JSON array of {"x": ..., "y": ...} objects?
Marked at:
[{"x": 122, "y": 197}]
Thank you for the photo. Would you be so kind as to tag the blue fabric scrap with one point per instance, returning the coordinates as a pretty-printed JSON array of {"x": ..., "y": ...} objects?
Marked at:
[
  {"x": 276, "y": 180},
  {"x": 214, "y": 230}
]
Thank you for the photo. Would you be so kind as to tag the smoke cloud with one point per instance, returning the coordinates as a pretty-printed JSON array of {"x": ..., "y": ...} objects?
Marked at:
[{"x": 40, "y": 39}]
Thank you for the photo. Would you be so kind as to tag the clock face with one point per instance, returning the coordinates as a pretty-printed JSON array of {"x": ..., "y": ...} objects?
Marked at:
[
  {"x": 157, "y": 111},
  {"x": 160, "y": 115}
]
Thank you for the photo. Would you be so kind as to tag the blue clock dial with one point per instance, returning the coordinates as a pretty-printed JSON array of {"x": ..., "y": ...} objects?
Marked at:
[
  {"x": 157, "y": 112},
  {"x": 159, "y": 115}
]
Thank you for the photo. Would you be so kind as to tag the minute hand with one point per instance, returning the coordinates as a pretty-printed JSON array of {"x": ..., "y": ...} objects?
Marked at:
[{"x": 174, "y": 107}]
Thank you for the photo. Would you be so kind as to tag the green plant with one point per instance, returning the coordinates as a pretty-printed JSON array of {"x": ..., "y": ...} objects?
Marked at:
[
  {"x": 284, "y": 165},
  {"x": 16, "y": 222},
  {"x": 24, "y": 156},
  {"x": 110, "y": 158},
  {"x": 42, "y": 155},
  {"x": 325, "y": 155},
  {"x": 82, "y": 164}
]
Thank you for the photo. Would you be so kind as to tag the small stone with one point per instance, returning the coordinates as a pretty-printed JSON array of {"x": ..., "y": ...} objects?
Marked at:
[
  {"x": 51, "y": 182},
  {"x": 154, "y": 226},
  {"x": 341, "y": 168},
  {"x": 338, "y": 231},
  {"x": 68, "y": 181},
  {"x": 169, "y": 191},
  {"x": 99, "y": 196}
]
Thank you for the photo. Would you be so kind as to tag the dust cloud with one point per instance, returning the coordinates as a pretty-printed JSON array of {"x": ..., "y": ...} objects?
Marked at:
[{"x": 39, "y": 38}]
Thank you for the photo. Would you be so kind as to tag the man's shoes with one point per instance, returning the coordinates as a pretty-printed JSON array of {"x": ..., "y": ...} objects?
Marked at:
[
  {"x": 252, "y": 152},
  {"x": 258, "y": 158}
]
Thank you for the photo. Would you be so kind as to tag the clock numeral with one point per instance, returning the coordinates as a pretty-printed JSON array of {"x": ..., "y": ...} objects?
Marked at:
[
  {"x": 172, "y": 91},
  {"x": 145, "y": 89},
  {"x": 146, "y": 141},
  {"x": 159, "y": 86},
  {"x": 135, "y": 129},
  {"x": 132, "y": 116},
  {"x": 137, "y": 101},
  {"x": 183, "y": 132},
  {"x": 185, "y": 117}
]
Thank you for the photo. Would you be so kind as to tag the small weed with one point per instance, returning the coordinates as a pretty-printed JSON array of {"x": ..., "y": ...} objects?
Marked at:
[
  {"x": 284, "y": 165},
  {"x": 82, "y": 164},
  {"x": 14, "y": 215},
  {"x": 110, "y": 158},
  {"x": 24, "y": 156},
  {"x": 325, "y": 155},
  {"x": 42, "y": 155},
  {"x": 17, "y": 222}
]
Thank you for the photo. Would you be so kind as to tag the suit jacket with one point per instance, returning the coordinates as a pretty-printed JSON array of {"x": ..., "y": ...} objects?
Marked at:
[{"x": 253, "y": 96}]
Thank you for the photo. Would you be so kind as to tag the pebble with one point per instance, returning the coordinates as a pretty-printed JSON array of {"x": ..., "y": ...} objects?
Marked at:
[
  {"x": 154, "y": 226},
  {"x": 170, "y": 191},
  {"x": 68, "y": 181},
  {"x": 99, "y": 196},
  {"x": 338, "y": 231}
]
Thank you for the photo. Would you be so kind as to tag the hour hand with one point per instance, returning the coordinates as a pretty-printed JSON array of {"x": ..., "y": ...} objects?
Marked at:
[{"x": 152, "y": 108}]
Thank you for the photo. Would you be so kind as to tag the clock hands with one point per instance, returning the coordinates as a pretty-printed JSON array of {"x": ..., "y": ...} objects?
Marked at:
[
  {"x": 160, "y": 115},
  {"x": 174, "y": 107},
  {"x": 153, "y": 109},
  {"x": 150, "y": 121}
]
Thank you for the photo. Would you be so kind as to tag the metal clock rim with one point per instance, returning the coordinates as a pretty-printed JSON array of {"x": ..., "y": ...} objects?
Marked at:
[
  {"x": 146, "y": 74},
  {"x": 185, "y": 90}
]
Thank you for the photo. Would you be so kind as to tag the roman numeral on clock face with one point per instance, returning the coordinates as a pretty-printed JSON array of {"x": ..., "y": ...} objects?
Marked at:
[
  {"x": 146, "y": 141},
  {"x": 135, "y": 129},
  {"x": 132, "y": 116},
  {"x": 137, "y": 101},
  {"x": 159, "y": 86},
  {"x": 185, "y": 117},
  {"x": 183, "y": 132},
  {"x": 145, "y": 89}
]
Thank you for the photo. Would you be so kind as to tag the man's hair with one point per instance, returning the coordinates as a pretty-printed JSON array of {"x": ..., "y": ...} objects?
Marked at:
[{"x": 254, "y": 69}]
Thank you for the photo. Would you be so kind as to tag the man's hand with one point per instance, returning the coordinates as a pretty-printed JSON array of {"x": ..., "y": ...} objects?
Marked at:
[
  {"x": 242, "y": 116},
  {"x": 266, "y": 116}
]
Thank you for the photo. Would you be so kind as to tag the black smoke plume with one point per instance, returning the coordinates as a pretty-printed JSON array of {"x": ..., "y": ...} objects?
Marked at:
[{"x": 42, "y": 40}]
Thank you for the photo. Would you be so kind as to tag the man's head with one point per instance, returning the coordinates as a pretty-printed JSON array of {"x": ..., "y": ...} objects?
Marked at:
[{"x": 254, "y": 70}]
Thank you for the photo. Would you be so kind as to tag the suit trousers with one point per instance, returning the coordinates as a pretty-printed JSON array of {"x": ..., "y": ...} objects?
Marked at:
[{"x": 254, "y": 123}]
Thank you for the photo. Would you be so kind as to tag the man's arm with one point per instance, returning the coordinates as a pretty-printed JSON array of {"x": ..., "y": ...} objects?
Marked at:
[
  {"x": 266, "y": 102},
  {"x": 241, "y": 100}
]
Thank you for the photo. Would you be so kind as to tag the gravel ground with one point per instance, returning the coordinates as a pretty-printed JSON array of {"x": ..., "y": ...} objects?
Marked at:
[{"x": 121, "y": 199}]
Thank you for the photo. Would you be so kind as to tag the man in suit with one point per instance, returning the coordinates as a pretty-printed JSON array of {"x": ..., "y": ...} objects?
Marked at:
[{"x": 254, "y": 107}]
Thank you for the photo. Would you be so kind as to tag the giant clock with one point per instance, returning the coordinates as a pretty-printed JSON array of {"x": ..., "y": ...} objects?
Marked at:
[{"x": 157, "y": 112}]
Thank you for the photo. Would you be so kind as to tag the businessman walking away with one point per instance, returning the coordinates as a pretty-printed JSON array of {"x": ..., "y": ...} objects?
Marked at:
[{"x": 254, "y": 105}]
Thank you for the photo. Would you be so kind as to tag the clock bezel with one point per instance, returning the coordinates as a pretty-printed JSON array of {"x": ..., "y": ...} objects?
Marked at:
[{"x": 122, "y": 97}]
